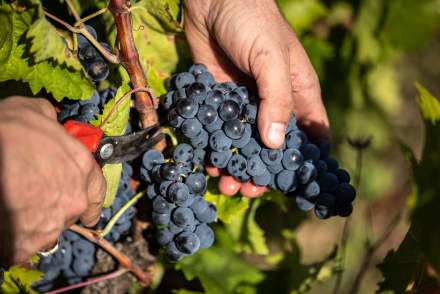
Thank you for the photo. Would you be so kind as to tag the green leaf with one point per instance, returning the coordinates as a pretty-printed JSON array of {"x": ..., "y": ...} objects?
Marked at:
[
  {"x": 408, "y": 257},
  {"x": 219, "y": 269},
  {"x": 429, "y": 105},
  {"x": 166, "y": 12},
  {"x": 47, "y": 44},
  {"x": 248, "y": 235},
  {"x": 112, "y": 175},
  {"x": 411, "y": 24},
  {"x": 229, "y": 209},
  {"x": 119, "y": 115},
  {"x": 16, "y": 63},
  {"x": 20, "y": 280},
  {"x": 301, "y": 14}
]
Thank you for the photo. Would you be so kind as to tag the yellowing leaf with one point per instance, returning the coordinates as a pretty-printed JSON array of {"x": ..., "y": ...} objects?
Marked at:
[
  {"x": 20, "y": 280},
  {"x": 112, "y": 175},
  {"x": 166, "y": 12},
  {"x": 429, "y": 105},
  {"x": 117, "y": 122}
]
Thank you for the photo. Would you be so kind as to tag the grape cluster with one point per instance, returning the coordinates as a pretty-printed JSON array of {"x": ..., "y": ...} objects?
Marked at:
[
  {"x": 86, "y": 110},
  {"x": 176, "y": 189},
  {"x": 220, "y": 119},
  {"x": 75, "y": 258},
  {"x": 92, "y": 61}
]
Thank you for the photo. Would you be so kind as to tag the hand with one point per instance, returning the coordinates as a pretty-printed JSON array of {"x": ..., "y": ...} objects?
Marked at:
[
  {"x": 47, "y": 179},
  {"x": 242, "y": 39}
]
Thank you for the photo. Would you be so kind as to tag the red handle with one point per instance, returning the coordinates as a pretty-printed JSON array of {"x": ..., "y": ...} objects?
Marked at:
[{"x": 88, "y": 135}]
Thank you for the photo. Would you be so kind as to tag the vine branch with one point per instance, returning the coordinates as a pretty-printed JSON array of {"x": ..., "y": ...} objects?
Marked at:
[
  {"x": 144, "y": 101},
  {"x": 91, "y": 281},
  {"x": 144, "y": 278}
]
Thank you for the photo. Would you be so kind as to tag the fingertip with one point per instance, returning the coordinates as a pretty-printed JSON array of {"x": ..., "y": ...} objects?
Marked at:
[
  {"x": 229, "y": 186},
  {"x": 249, "y": 190}
]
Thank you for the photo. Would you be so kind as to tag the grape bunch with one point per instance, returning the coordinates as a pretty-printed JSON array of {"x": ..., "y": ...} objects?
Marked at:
[
  {"x": 75, "y": 258},
  {"x": 220, "y": 119},
  {"x": 86, "y": 110},
  {"x": 92, "y": 61},
  {"x": 176, "y": 189}
]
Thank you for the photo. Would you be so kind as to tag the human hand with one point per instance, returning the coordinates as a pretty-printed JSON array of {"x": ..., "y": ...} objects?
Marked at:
[
  {"x": 47, "y": 179},
  {"x": 242, "y": 39}
]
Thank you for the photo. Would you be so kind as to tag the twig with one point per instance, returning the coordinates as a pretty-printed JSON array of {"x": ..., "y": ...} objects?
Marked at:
[
  {"x": 90, "y": 16},
  {"x": 346, "y": 230},
  {"x": 91, "y": 281},
  {"x": 93, "y": 236},
  {"x": 144, "y": 102},
  {"x": 108, "y": 227},
  {"x": 118, "y": 103},
  {"x": 73, "y": 10},
  {"x": 83, "y": 31},
  {"x": 371, "y": 250}
]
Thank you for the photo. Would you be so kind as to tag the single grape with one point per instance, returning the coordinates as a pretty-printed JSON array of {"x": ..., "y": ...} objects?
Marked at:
[
  {"x": 321, "y": 166},
  {"x": 88, "y": 54},
  {"x": 98, "y": 70},
  {"x": 229, "y": 110},
  {"x": 234, "y": 97},
  {"x": 345, "y": 193},
  {"x": 237, "y": 165},
  {"x": 344, "y": 210},
  {"x": 196, "y": 183},
  {"x": 169, "y": 171},
  {"x": 191, "y": 128},
  {"x": 168, "y": 100},
  {"x": 220, "y": 159},
  {"x": 296, "y": 139},
  {"x": 207, "y": 114},
  {"x": 164, "y": 236},
  {"x": 199, "y": 205},
  {"x": 255, "y": 166},
  {"x": 310, "y": 190},
  {"x": 172, "y": 253},
  {"x": 214, "y": 98},
  {"x": 310, "y": 152},
  {"x": 94, "y": 99},
  {"x": 183, "y": 217},
  {"x": 179, "y": 94},
  {"x": 219, "y": 141},
  {"x": 245, "y": 138},
  {"x": 286, "y": 180},
  {"x": 197, "y": 91},
  {"x": 343, "y": 176},
  {"x": 275, "y": 168},
  {"x": 328, "y": 182},
  {"x": 187, "y": 108},
  {"x": 205, "y": 234},
  {"x": 183, "y": 79},
  {"x": 209, "y": 215},
  {"x": 174, "y": 119},
  {"x": 324, "y": 206},
  {"x": 214, "y": 126},
  {"x": 252, "y": 148},
  {"x": 178, "y": 192},
  {"x": 234, "y": 129},
  {"x": 187, "y": 242},
  {"x": 199, "y": 156},
  {"x": 152, "y": 191},
  {"x": 183, "y": 153},
  {"x": 82, "y": 41},
  {"x": 161, "y": 218},
  {"x": 324, "y": 148},
  {"x": 262, "y": 180},
  {"x": 201, "y": 141},
  {"x": 271, "y": 156},
  {"x": 303, "y": 204},
  {"x": 250, "y": 113},
  {"x": 161, "y": 205},
  {"x": 206, "y": 78},
  {"x": 332, "y": 164},
  {"x": 197, "y": 69},
  {"x": 307, "y": 173},
  {"x": 173, "y": 228},
  {"x": 243, "y": 93},
  {"x": 292, "y": 159}
]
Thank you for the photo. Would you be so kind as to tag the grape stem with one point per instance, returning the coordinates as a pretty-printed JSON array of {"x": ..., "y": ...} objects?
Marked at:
[
  {"x": 91, "y": 281},
  {"x": 110, "y": 57},
  {"x": 144, "y": 101},
  {"x": 109, "y": 226},
  {"x": 145, "y": 278}
]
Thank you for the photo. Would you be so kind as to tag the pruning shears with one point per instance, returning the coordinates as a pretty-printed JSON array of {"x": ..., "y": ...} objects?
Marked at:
[{"x": 114, "y": 149}]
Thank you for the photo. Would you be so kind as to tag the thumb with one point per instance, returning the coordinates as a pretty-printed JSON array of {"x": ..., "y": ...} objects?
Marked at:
[{"x": 272, "y": 74}]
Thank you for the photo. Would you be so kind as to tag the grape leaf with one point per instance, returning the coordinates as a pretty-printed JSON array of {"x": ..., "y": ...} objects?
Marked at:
[
  {"x": 112, "y": 175},
  {"x": 115, "y": 126},
  {"x": 166, "y": 12},
  {"x": 219, "y": 269},
  {"x": 418, "y": 249},
  {"x": 16, "y": 63},
  {"x": 228, "y": 208},
  {"x": 20, "y": 280},
  {"x": 47, "y": 44},
  {"x": 301, "y": 14},
  {"x": 247, "y": 233}
]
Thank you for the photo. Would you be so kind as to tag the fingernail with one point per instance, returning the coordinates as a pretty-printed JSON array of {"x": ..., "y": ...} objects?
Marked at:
[{"x": 276, "y": 133}]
